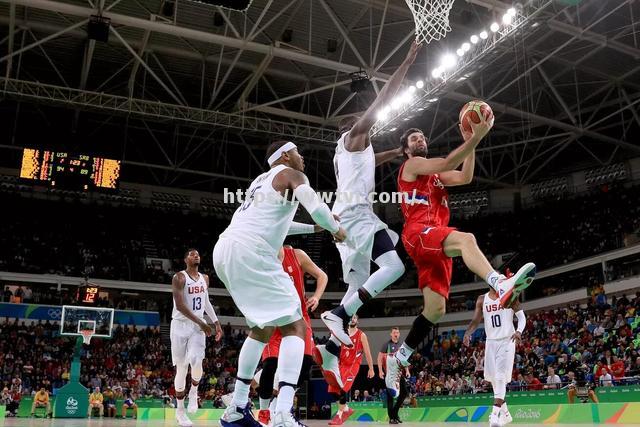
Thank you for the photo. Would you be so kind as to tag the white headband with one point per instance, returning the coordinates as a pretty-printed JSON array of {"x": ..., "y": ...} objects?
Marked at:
[{"x": 276, "y": 155}]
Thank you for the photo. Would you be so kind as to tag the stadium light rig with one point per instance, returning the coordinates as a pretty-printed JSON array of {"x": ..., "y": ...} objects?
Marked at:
[{"x": 455, "y": 67}]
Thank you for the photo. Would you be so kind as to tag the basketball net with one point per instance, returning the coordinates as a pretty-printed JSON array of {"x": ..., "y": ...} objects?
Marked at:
[
  {"x": 86, "y": 336},
  {"x": 431, "y": 18}
]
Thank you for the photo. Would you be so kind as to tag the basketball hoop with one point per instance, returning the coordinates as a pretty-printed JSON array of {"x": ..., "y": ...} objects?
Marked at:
[
  {"x": 86, "y": 336},
  {"x": 431, "y": 18}
]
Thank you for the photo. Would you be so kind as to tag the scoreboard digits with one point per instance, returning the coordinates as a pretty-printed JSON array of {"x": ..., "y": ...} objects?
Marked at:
[{"x": 70, "y": 171}]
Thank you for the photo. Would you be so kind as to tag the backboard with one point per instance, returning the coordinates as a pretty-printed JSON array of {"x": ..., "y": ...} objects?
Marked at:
[{"x": 83, "y": 321}]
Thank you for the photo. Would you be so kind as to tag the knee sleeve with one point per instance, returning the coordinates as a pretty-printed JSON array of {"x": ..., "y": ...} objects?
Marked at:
[
  {"x": 180, "y": 379},
  {"x": 499, "y": 388},
  {"x": 269, "y": 367},
  {"x": 196, "y": 371}
]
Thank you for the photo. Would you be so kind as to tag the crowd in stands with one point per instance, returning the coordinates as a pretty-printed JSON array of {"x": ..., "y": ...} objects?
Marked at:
[
  {"x": 135, "y": 363},
  {"x": 116, "y": 242}
]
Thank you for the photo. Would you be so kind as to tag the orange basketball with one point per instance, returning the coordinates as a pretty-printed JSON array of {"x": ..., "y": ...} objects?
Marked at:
[{"x": 471, "y": 111}]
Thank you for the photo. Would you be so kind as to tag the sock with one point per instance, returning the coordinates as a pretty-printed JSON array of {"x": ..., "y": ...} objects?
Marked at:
[
  {"x": 404, "y": 353},
  {"x": 247, "y": 364},
  {"x": 289, "y": 365},
  {"x": 495, "y": 410},
  {"x": 179, "y": 403},
  {"x": 492, "y": 279},
  {"x": 193, "y": 390},
  {"x": 390, "y": 269},
  {"x": 504, "y": 409},
  {"x": 264, "y": 403},
  {"x": 340, "y": 412}
]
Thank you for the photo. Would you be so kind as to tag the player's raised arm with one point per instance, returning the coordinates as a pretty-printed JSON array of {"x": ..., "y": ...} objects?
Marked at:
[
  {"x": 386, "y": 156},
  {"x": 177, "y": 286},
  {"x": 358, "y": 137},
  {"x": 208, "y": 309},
  {"x": 477, "y": 318},
  {"x": 367, "y": 355},
  {"x": 422, "y": 166},
  {"x": 310, "y": 268},
  {"x": 290, "y": 180}
]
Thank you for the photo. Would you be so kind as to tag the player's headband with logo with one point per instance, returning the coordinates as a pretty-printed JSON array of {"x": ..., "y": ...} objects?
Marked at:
[{"x": 276, "y": 155}]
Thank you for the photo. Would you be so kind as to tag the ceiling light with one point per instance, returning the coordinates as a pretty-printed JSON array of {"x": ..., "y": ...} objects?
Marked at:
[
  {"x": 494, "y": 27},
  {"x": 460, "y": 52},
  {"x": 466, "y": 47},
  {"x": 483, "y": 35},
  {"x": 474, "y": 39},
  {"x": 419, "y": 84}
]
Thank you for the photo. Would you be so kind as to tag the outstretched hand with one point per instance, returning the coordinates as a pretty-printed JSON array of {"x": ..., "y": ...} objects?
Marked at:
[
  {"x": 478, "y": 130},
  {"x": 413, "y": 52}
]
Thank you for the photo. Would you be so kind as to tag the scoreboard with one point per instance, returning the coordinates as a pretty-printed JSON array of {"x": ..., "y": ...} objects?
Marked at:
[
  {"x": 69, "y": 171},
  {"x": 88, "y": 295}
]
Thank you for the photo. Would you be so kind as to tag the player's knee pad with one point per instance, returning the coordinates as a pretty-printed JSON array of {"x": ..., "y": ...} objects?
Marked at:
[
  {"x": 180, "y": 380},
  {"x": 499, "y": 388},
  {"x": 391, "y": 262},
  {"x": 196, "y": 370}
]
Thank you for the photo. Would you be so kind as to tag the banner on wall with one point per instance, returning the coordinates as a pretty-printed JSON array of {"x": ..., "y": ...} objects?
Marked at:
[
  {"x": 587, "y": 413},
  {"x": 54, "y": 312}
]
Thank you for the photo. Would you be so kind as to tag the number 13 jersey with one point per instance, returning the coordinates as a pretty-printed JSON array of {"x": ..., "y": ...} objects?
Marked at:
[
  {"x": 498, "y": 321},
  {"x": 194, "y": 294}
]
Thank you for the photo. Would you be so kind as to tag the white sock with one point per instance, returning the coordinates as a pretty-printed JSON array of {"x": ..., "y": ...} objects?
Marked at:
[
  {"x": 264, "y": 403},
  {"x": 492, "y": 279},
  {"x": 179, "y": 403},
  {"x": 247, "y": 364},
  {"x": 504, "y": 409},
  {"x": 289, "y": 366},
  {"x": 495, "y": 411},
  {"x": 404, "y": 353},
  {"x": 193, "y": 389},
  {"x": 390, "y": 269}
]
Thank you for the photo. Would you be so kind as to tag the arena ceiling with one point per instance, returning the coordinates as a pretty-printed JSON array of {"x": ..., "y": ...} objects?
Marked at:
[{"x": 192, "y": 99}]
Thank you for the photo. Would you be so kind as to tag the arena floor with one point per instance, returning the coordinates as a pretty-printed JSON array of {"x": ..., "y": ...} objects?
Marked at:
[{"x": 23, "y": 422}]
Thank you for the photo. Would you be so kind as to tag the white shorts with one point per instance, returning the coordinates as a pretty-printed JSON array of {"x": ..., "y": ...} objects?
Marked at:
[
  {"x": 498, "y": 359},
  {"x": 188, "y": 342},
  {"x": 258, "y": 284},
  {"x": 361, "y": 225}
]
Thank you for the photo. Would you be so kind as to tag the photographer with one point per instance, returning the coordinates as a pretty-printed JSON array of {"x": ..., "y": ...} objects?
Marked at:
[{"x": 577, "y": 387}]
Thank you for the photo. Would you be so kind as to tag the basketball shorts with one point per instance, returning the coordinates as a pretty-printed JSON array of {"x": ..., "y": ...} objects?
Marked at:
[
  {"x": 424, "y": 246},
  {"x": 499, "y": 356},
  {"x": 254, "y": 277},
  {"x": 356, "y": 253},
  {"x": 188, "y": 342},
  {"x": 348, "y": 373},
  {"x": 272, "y": 348}
]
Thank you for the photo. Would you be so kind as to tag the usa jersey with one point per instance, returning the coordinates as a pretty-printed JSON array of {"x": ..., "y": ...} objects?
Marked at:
[
  {"x": 352, "y": 356},
  {"x": 424, "y": 201},
  {"x": 265, "y": 216},
  {"x": 355, "y": 176},
  {"x": 498, "y": 321},
  {"x": 294, "y": 270},
  {"x": 194, "y": 294}
]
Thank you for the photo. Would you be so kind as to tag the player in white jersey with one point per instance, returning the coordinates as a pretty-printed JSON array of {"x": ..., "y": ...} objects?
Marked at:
[
  {"x": 369, "y": 239},
  {"x": 189, "y": 330},
  {"x": 246, "y": 260},
  {"x": 500, "y": 348}
]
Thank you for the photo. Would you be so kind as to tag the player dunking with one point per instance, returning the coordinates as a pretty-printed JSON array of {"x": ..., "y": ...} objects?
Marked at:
[
  {"x": 429, "y": 240},
  {"x": 246, "y": 260},
  {"x": 296, "y": 263},
  {"x": 189, "y": 331},
  {"x": 369, "y": 239},
  {"x": 350, "y": 358},
  {"x": 500, "y": 348}
]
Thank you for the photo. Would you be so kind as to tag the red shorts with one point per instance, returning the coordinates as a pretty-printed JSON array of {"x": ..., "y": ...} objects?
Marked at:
[
  {"x": 348, "y": 375},
  {"x": 424, "y": 246},
  {"x": 272, "y": 348}
]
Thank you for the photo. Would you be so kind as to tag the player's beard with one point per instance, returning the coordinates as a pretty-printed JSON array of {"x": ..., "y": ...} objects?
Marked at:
[{"x": 419, "y": 152}]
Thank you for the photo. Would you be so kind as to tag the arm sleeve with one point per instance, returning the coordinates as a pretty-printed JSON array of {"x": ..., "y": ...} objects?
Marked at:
[
  {"x": 208, "y": 309},
  {"x": 300, "y": 228},
  {"x": 522, "y": 321},
  {"x": 318, "y": 210}
]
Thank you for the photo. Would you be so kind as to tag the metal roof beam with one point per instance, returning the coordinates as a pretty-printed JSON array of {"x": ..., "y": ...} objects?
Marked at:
[{"x": 192, "y": 34}]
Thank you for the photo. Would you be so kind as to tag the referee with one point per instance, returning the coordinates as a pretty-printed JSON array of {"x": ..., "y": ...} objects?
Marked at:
[{"x": 391, "y": 347}]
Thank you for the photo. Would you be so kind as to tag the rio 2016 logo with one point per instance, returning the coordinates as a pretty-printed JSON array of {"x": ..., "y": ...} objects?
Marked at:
[{"x": 72, "y": 406}]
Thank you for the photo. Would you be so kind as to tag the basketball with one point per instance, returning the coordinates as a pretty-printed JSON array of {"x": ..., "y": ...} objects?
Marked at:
[{"x": 471, "y": 111}]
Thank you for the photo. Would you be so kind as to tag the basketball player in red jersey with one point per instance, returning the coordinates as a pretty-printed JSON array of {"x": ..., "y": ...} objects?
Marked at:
[
  {"x": 429, "y": 240},
  {"x": 349, "y": 362},
  {"x": 296, "y": 263}
]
